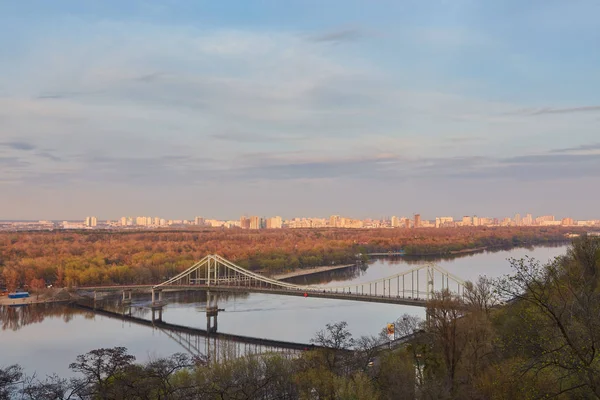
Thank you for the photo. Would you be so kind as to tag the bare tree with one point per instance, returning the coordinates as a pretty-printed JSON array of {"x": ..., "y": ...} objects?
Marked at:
[
  {"x": 335, "y": 336},
  {"x": 102, "y": 369},
  {"x": 338, "y": 341},
  {"x": 444, "y": 311},
  {"x": 10, "y": 377},
  {"x": 366, "y": 349},
  {"x": 481, "y": 295},
  {"x": 52, "y": 388}
]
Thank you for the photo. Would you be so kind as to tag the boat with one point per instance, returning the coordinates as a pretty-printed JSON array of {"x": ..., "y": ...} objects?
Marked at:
[{"x": 18, "y": 295}]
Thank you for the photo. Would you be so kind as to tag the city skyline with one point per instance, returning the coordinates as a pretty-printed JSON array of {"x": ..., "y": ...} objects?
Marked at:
[
  {"x": 255, "y": 222},
  {"x": 424, "y": 216},
  {"x": 291, "y": 107}
]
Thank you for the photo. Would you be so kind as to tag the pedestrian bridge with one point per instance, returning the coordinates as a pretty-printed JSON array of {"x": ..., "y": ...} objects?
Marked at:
[{"x": 412, "y": 287}]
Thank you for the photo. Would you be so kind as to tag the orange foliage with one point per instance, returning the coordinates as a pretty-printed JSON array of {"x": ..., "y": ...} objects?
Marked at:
[{"x": 108, "y": 257}]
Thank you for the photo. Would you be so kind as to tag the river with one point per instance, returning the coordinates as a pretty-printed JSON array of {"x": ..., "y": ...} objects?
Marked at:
[{"x": 46, "y": 338}]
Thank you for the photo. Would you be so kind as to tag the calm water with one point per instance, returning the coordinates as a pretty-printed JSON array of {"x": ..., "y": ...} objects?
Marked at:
[{"x": 46, "y": 338}]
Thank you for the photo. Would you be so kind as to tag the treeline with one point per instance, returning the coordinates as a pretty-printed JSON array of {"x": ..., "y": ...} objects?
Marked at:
[{"x": 36, "y": 259}]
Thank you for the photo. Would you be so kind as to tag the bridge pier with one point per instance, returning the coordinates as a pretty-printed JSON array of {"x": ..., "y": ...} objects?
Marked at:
[
  {"x": 127, "y": 309},
  {"x": 126, "y": 296},
  {"x": 95, "y": 298},
  {"x": 157, "y": 313},
  {"x": 212, "y": 311},
  {"x": 154, "y": 297}
]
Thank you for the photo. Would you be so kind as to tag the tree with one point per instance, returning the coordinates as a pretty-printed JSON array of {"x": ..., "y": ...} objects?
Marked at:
[
  {"x": 365, "y": 350},
  {"x": 395, "y": 375},
  {"x": 337, "y": 340},
  {"x": 556, "y": 322},
  {"x": 481, "y": 295},
  {"x": 102, "y": 371},
  {"x": 335, "y": 336},
  {"x": 10, "y": 377},
  {"x": 444, "y": 311},
  {"x": 52, "y": 388}
]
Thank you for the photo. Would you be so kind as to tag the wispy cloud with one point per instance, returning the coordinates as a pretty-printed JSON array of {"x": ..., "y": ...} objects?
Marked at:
[
  {"x": 49, "y": 156},
  {"x": 18, "y": 145},
  {"x": 553, "y": 110},
  {"x": 339, "y": 36},
  {"x": 582, "y": 148}
]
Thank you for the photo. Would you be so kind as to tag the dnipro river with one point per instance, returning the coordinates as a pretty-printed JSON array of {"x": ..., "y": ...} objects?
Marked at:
[{"x": 45, "y": 338}]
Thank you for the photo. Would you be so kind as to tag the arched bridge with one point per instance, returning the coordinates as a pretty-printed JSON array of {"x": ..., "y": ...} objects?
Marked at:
[{"x": 413, "y": 287}]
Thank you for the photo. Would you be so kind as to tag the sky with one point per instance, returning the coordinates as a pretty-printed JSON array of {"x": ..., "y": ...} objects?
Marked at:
[{"x": 183, "y": 108}]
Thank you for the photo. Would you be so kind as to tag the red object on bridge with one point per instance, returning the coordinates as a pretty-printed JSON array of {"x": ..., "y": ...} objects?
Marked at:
[{"x": 305, "y": 294}]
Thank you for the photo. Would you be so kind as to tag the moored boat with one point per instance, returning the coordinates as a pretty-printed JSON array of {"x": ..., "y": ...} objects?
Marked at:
[{"x": 18, "y": 295}]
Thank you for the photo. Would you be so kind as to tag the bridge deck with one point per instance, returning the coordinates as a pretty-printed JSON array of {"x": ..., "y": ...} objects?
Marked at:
[{"x": 286, "y": 292}]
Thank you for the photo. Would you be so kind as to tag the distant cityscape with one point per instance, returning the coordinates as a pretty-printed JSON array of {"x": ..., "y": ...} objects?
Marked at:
[{"x": 335, "y": 221}]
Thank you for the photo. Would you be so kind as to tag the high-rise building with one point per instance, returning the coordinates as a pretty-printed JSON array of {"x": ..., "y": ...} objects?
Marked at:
[
  {"x": 245, "y": 222},
  {"x": 274, "y": 223},
  {"x": 417, "y": 221},
  {"x": 518, "y": 221},
  {"x": 255, "y": 222},
  {"x": 544, "y": 218},
  {"x": 467, "y": 221},
  {"x": 568, "y": 222},
  {"x": 91, "y": 222},
  {"x": 199, "y": 221},
  {"x": 123, "y": 221},
  {"x": 476, "y": 221},
  {"x": 395, "y": 222},
  {"x": 443, "y": 221},
  {"x": 335, "y": 221}
]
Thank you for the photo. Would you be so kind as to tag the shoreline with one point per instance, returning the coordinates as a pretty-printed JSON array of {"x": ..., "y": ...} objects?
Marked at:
[
  {"x": 309, "y": 271},
  {"x": 5, "y": 301},
  {"x": 553, "y": 243}
]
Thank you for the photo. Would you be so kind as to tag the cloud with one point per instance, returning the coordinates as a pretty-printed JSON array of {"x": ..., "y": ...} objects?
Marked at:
[
  {"x": 248, "y": 107},
  {"x": 582, "y": 148},
  {"x": 339, "y": 36},
  {"x": 18, "y": 145},
  {"x": 151, "y": 77},
  {"x": 250, "y": 137},
  {"x": 552, "y": 110},
  {"x": 49, "y": 156}
]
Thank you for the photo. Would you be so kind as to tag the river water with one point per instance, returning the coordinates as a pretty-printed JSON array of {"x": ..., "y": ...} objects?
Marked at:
[{"x": 46, "y": 338}]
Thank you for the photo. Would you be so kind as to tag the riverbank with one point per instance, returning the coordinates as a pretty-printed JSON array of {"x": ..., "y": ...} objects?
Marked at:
[
  {"x": 310, "y": 271},
  {"x": 47, "y": 296},
  {"x": 467, "y": 251}
]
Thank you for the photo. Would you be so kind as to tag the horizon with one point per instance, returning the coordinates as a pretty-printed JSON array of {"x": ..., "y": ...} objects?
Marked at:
[
  {"x": 153, "y": 108},
  {"x": 424, "y": 217}
]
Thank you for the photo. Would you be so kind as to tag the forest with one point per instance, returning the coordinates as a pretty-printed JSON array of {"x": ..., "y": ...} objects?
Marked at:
[
  {"x": 532, "y": 335},
  {"x": 34, "y": 260}
]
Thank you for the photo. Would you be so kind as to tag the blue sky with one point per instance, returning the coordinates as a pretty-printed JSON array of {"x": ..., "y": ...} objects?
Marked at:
[{"x": 181, "y": 108}]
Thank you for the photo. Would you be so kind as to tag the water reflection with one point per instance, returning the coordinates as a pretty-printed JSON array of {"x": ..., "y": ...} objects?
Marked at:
[
  {"x": 15, "y": 318},
  {"x": 337, "y": 275}
]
